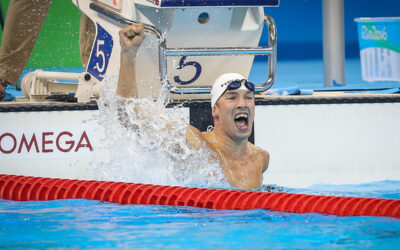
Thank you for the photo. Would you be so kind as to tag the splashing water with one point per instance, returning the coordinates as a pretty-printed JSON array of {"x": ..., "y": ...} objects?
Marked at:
[
  {"x": 146, "y": 142},
  {"x": 149, "y": 146}
]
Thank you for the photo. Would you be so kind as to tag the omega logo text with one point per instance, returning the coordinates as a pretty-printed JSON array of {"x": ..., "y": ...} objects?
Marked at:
[{"x": 44, "y": 142}]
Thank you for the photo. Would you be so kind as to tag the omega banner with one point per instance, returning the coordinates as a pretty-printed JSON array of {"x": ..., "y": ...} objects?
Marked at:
[{"x": 47, "y": 142}]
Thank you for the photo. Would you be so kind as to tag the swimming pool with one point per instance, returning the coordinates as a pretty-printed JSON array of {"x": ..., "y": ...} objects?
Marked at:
[
  {"x": 93, "y": 224},
  {"x": 89, "y": 224}
]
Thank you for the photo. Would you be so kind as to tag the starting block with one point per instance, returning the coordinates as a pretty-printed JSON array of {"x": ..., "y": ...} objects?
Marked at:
[{"x": 189, "y": 43}]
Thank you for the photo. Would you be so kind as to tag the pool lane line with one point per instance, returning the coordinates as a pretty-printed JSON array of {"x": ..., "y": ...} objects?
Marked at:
[{"x": 27, "y": 188}]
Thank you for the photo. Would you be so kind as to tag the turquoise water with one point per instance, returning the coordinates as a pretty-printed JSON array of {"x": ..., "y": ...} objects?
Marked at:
[{"x": 93, "y": 224}]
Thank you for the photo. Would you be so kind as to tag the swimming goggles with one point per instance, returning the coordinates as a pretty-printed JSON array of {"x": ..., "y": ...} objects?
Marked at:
[{"x": 235, "y": 84}]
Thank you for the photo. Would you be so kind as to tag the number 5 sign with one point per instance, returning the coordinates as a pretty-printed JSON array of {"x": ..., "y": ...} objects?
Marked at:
[
  {"x": 101, "y": 52},
  {"x": 183, "y": 64}
]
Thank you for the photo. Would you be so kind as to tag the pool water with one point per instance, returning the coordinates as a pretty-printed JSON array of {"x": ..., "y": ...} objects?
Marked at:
[{"x": 93, "y": 224}]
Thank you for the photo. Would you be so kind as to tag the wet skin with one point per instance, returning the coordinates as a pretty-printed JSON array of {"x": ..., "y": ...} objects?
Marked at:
[{"x": 242, "y": 162}]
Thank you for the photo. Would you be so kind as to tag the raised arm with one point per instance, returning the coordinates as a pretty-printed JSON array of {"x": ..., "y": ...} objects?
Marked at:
[{"x": 130, "y": 38}]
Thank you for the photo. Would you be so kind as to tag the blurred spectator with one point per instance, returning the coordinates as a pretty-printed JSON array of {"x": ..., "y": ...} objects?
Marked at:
[
  {"x": 24, "y": 20},
  {"x": 22, "y": 25}
]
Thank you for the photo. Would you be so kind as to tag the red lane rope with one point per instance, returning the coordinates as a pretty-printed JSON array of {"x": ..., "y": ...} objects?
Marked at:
[{"x": 25, "y": 188}]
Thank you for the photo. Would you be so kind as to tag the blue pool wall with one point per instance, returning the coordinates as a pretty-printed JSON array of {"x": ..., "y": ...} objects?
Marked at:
[{"x": 299, "y": 25}]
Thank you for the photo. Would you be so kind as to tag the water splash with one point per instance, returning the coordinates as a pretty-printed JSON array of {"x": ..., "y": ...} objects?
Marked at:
[{"x": 147, "y": 143}]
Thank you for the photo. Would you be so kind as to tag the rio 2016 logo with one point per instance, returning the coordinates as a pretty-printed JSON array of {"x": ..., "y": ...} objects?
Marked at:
[{"x": 373, "y": 33}]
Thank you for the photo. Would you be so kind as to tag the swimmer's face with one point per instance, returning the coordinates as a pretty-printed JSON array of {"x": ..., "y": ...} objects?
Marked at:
[{"x": 234, "y": 112}]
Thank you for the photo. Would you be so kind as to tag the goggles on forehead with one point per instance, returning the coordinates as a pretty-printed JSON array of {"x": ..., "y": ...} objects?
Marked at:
[{"x": 235, "y": 84}]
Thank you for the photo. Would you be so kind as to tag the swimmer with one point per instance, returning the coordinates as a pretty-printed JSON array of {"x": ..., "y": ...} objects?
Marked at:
[{"x": 233, "y": 108}]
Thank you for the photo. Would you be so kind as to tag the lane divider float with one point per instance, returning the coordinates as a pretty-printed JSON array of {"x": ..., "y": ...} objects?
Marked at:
[{"x": 26, "y": 188}]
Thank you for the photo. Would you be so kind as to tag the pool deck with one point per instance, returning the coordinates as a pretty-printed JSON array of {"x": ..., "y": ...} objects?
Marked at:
[
  {"x": 318, "y": 97},
  {"x": 305, "y": 75}
]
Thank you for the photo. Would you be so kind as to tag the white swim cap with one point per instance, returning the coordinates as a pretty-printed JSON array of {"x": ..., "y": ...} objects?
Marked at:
[{"x": 219, "y": 86}]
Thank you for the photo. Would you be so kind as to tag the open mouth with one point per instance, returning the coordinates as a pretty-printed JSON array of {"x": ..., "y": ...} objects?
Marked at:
[{"x": 241, "y": 121}]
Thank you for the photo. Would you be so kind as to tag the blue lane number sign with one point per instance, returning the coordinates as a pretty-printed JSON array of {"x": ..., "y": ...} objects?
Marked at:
[{"x": 101, "y": 53}]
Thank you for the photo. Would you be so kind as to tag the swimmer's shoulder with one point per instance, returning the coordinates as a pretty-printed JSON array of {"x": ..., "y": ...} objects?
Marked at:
[
  {"x": 196, "y": 139},
  {"x": 261, "y": 154}
]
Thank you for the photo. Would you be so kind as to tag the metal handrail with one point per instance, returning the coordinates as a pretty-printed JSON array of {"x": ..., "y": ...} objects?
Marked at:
[{"x": 164, "y": 52}]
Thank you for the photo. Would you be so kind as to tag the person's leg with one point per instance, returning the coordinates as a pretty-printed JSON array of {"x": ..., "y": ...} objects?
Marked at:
[
  {"x": 24, "y": 19},
  {"x": 87, "y": 31},
  {"x": 3, "y": 86}
]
